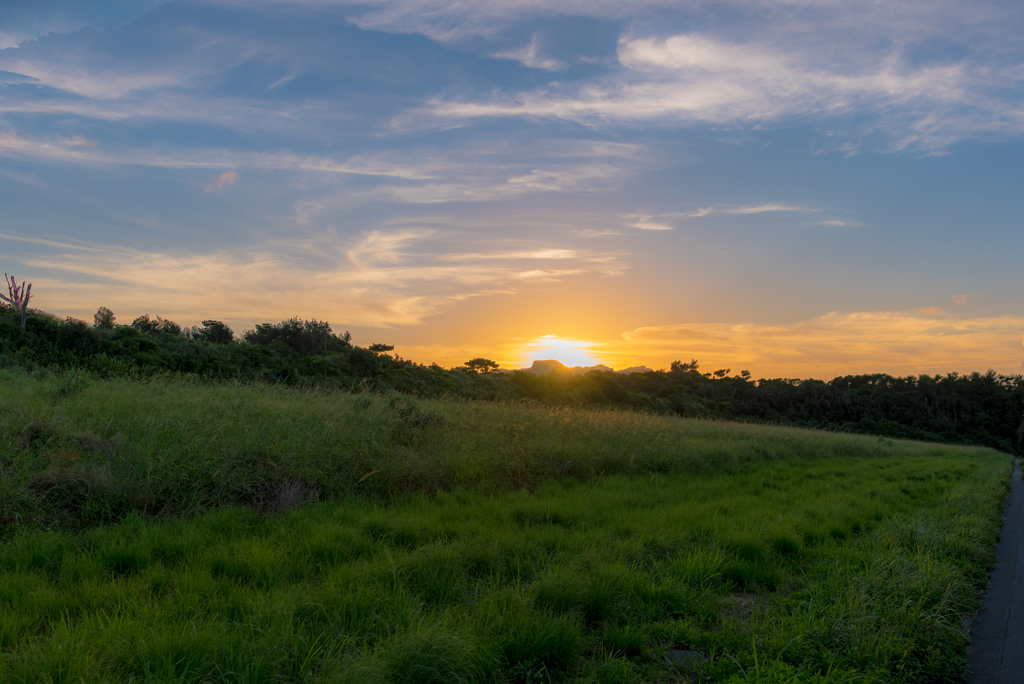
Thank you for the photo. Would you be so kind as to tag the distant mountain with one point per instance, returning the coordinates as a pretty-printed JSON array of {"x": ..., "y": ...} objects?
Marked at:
[{"x": 546, "y": 366}]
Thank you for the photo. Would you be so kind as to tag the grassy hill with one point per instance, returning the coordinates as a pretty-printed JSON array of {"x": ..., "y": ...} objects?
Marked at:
[{"x": 179, "y": 531}]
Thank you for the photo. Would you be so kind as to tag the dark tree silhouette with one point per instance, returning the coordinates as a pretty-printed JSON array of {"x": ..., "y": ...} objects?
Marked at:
[
  {"x": 156, "y": 325},
  {"x": 214, "y": 331},
  {"x": 481, "y": 364}
]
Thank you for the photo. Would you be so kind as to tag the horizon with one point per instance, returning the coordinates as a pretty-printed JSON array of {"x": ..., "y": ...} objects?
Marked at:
[{"x": 793, "y": 189}]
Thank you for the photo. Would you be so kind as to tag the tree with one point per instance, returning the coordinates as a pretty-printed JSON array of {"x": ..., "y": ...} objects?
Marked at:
[
  {"x": 18, "y": 298},
  {"x": 104, "y": 318},
  {"x": 680, "y": 367},
  {"x": 143, "y": 324},
  {"x": 157, "y": 325},
  {"x": 305, "y": 337},
  {"x": 377, "y": 347},
  {"x": 214, "y": 331},
  {"x": 481, "y": 364}
]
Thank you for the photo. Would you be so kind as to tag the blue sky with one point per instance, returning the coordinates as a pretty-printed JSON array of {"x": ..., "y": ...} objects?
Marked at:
[{"x": 798, "y": 188}]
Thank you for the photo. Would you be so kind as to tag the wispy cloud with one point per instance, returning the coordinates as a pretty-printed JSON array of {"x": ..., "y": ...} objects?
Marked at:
[
  {"x": 659, "y": 221},
  {"x": 81, "y": 151},
  {"x": 378, "y": 279},
  {"x": 645, "y": 222},
  {"x": 696, "y": 78},
  {"x": 839, "y": 223},
  {"x": 529, "y": 55},
  {"x": 9, "y": 78},
  {"x": 759, "y": 209},
  {"x": 226, "y": 179},
  {"x": 468, "y": 175}
]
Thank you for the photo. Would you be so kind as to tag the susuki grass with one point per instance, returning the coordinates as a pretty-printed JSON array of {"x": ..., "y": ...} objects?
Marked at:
[{"x": 358, "y": 538}]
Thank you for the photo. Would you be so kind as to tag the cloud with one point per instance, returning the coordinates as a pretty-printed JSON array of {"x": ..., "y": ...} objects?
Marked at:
[
  {"x": 580, "y": 178},
  {"x": 529, "y": 56},
  {"x": 14, "y": 145},
  {"x": 644, "y": 222},
  {"x": 760, "y": 209},
  {"x": 9, "y": 78},
  {"x": 27, "y": 19},
  {"x": 467, "y": 174},
  {"x": 458, "y": 22},
  {"x": 697, "y": 78},
  {"x": 930, "y": 310},
  {"x": 836, "y": 344},
  {"x": 963, "y": 299},
  {"x": 226, "y": 179},
  {"x": 839, "y": 223},
  {"x": 379, "y": 278}
]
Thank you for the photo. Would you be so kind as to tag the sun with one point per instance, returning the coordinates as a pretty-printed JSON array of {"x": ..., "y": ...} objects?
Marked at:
[{"x": 570, "y": 352}]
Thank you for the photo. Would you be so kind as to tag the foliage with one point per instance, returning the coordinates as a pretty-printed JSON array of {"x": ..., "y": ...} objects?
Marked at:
[
  {"x": 104, "y": 318},
  {"x": 481, "y": 364},
  {"x": 976, "y": 408},
  {"x": 214, "y": 332},
  {"x": 304, "y": 337},
  {"x": 157, "y": 325}
]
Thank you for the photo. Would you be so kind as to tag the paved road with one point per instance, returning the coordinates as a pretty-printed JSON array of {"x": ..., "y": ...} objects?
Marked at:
[{"x": 997, "y": 632}]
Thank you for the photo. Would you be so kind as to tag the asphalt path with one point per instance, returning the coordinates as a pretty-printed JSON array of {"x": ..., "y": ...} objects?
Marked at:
[{"x": 997, "y": 631}]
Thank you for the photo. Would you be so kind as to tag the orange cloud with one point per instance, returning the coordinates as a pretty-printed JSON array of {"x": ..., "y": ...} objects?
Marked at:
[
  {"x": 962, "y": 299},
  {"x": 930, "y": 310},
  {"x": 225, "y": 179},
  {"x": 380, "y": 280},
  {"x": 899, "y": 343}
]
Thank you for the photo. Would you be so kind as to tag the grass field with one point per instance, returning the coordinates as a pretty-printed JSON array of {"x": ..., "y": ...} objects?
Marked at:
[{"x": 248, "y": 533}]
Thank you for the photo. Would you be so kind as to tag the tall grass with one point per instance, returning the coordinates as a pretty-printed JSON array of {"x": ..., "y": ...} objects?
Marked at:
[
  {"x": 80, "y": 452},
  {"x": 219, "y": 533}
]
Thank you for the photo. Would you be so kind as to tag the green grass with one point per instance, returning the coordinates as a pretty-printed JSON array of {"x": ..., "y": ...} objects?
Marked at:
[
  {"x": 491, "y": 543},
  {"x": 78, "y": 452}
]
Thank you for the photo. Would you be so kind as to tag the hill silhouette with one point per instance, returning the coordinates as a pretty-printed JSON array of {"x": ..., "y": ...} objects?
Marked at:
[{"x": 544, "y": 367}]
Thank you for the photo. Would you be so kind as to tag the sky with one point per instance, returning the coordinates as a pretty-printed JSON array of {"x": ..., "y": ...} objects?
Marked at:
[{"x": 799, "y": 188}]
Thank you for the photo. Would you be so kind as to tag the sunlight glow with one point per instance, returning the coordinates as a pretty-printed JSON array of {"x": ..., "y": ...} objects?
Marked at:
[{"x": 570, "y": 352}]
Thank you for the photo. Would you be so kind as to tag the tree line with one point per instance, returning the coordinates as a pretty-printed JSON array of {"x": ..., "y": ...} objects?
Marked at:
[{"x": 977, "y": 408}]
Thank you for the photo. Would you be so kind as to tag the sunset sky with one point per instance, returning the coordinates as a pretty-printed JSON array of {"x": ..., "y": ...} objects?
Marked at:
[{"x": 795, "y": 187}]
